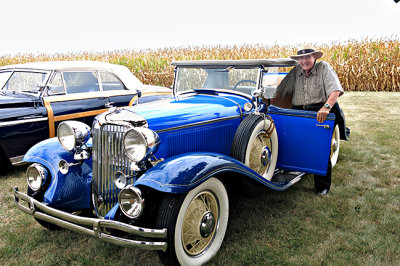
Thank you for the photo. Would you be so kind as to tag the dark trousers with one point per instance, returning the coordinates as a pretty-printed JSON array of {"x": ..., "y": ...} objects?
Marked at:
[{"x": 321, "y": 182}]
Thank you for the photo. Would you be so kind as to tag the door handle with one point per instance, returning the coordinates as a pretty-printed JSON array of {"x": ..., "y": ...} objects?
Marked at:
[
  {"x": 109, "y": 104},
  {"x": 324, "y": 126}
]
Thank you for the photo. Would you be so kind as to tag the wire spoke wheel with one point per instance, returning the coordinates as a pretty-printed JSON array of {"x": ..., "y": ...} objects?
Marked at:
[
  {"x": 260, "y": 153},
  {"x": 196, "y": 223},
  {"x": 256, "y": 145},
  {"x": 199, "y": 223}
]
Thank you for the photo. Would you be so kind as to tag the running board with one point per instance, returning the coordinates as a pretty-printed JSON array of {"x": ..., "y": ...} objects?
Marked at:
[{"x": 286, "y": 177}]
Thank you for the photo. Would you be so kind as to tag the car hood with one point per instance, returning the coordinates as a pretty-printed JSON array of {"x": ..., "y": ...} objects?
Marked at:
[
  {"x": 179, "y": 111},
  {"x": 11, "y": 99}
]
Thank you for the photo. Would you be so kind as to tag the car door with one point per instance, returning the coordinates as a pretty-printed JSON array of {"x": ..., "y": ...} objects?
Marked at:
[
  {"x": 118, "y": 95},
  {"x": 303, "y": 143},
  {"x": 74, "y": 95},
  {"x": 23, "y": 118}
]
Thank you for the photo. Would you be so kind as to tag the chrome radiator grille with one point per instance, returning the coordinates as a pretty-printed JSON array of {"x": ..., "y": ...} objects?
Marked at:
[{"x": 108, "y": 158}]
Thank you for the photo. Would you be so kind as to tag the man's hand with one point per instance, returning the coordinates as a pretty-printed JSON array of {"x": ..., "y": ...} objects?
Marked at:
[{"x": 322, "y": 114}]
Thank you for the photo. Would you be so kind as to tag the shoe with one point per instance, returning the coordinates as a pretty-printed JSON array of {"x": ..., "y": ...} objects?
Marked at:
[{"x": 323, "y": 192}]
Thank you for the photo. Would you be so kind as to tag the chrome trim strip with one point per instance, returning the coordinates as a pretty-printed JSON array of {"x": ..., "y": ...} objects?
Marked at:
[
  {"x": 17, "y": 160},
  {"x": 83, "y": 224},
  {"x": 18, "y": 122},
  {"x": 199, "y": 123}
]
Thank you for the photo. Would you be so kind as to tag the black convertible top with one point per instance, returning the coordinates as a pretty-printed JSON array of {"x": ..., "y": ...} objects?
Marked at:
[{"x": 273, "y": 62}]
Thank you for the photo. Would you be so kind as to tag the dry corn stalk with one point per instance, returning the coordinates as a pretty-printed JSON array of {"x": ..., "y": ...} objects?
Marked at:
[{"x": 367, "y": 65}]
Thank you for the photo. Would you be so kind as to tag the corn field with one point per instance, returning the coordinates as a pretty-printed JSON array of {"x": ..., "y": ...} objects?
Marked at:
[{"x": 366, "y": 65}]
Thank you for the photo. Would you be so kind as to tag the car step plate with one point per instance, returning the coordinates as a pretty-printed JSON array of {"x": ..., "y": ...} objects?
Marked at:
[{"x": 287, "y": 177}]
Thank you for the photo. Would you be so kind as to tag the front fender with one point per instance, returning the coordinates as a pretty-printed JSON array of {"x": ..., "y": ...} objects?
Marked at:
[
  {"x": 69, "y": 192},
  {"x": 182, "y": 173}
]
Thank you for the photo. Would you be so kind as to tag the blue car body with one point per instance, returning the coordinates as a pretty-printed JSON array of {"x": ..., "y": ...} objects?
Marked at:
[{"x": 212, "y": 122}]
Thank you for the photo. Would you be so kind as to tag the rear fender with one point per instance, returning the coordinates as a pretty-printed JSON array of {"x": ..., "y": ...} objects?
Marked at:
[
  {"x": 182, "y": 173},
  {"x": 69, "y": 192}
]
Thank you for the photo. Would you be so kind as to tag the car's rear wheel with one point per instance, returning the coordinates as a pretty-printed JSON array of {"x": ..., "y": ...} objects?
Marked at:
[
  {"x": 196, "y": 223},
  {"x": 256, "y": 145},
  {"x": 335, "y": 145}
]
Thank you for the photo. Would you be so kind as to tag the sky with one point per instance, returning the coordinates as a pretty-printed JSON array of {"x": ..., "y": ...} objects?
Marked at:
[{"x": 53, "y": 26}]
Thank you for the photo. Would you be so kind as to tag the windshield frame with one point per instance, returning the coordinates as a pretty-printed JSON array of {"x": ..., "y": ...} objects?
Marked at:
[
  {"x": 258, "y": 69},
  {"x": 47, "y": 74}
]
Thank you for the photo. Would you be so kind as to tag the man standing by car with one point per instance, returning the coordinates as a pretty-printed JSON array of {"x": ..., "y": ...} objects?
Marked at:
[{"x": 313, "y": 86}]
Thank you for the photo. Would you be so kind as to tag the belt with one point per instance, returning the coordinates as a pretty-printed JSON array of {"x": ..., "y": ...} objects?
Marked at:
[{"x": 313, "y": 106}]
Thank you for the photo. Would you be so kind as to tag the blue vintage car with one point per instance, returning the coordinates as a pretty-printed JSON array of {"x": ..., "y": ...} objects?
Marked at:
[
  {"x": 156, "y": 175},
  {"x": 36, "y": 97}
]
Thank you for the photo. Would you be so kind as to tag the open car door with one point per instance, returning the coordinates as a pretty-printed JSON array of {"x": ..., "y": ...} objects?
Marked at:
[{"x": 303, "y": 143}]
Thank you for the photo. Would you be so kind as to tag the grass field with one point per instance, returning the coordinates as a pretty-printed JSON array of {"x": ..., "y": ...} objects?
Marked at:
[{"x": 357, "y": 223}]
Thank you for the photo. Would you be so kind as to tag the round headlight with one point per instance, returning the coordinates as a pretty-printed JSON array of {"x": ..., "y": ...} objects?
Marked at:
[
  {"x": 36, "y": 176},
  {"x": 131, "y": 202},
  {"x": 140, "y": 142},
  {"x": 152, "y": 139},
  {"x": 72, "y": 134},
  {"x": 135, "y": 145}
]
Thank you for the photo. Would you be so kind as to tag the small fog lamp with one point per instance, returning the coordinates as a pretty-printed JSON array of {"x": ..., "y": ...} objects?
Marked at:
[
  {"x": 63, "y": 166},
  {"x": 120, "y": 180},
  {"x": 247, "y": 107}
]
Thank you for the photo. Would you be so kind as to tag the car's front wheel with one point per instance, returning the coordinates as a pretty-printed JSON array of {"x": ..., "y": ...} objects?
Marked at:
[
  {"x": 196, "y": 223},
  {"x": 47, "y": 225}
]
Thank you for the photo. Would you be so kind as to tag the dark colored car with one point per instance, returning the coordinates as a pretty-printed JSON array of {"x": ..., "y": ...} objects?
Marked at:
[
  {"x": 156, "y": 175},
  {"x": 36, "y": 97}
]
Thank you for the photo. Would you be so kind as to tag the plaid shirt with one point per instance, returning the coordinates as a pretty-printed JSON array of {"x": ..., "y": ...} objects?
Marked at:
[{"x": 315, "y": 88}]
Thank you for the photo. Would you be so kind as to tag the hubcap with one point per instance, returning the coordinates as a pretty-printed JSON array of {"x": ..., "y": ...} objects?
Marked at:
[
  {"x": 207, "y": 224},
  {"x": 260, "y": 153},
  {"x": 265, "y": 156},
  {"x": 200, "y": 223},
  {"x": 334, "y": 143}
]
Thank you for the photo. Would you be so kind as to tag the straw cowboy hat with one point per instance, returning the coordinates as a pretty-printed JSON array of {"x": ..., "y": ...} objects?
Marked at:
[{"x": 307, "y": 50}]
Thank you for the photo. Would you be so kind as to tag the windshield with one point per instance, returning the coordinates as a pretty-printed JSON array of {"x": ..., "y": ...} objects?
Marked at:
[
  {"x": 22, "y": 81},
  {"x": 235, "y": 79}
]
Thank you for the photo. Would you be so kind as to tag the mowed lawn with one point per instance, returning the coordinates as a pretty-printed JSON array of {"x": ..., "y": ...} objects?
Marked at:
[{"x": 357, "y": 223}]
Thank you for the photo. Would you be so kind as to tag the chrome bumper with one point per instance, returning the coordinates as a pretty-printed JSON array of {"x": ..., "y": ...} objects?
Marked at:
[{"x": 91, "y": 226}]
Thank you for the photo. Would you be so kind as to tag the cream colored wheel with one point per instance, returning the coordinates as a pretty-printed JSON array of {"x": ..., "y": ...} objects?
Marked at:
[
  {"x": 261, "y": 153},
  {"x": 256, "y": 145},
  {"x": 196, "y": 223},
  {"x": 335, "y": 145},
  {"x": 199, "y": 223}
]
